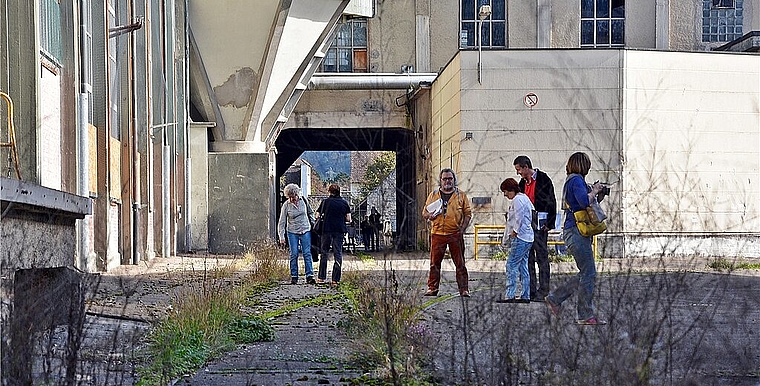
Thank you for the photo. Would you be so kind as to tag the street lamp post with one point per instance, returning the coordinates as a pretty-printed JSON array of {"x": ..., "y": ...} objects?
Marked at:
[{"x": 485, "y": 12}]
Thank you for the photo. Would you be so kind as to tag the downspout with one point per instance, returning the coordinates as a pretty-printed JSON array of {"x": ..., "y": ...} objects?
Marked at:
[
  {"x": 134, "y": 155},
  {"x": 188, "y": 161},
  {"x": 83, "y": 151},
  {"x": 165, "y": 159},
  {"x": 166, "y": 196},
  {"x": 83, "y": 178}
]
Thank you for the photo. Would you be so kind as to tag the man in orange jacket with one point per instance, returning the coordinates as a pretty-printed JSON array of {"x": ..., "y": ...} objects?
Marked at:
[{"x": 448, "y": 209}]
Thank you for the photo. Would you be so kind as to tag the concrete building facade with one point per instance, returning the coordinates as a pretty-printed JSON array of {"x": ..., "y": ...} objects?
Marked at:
[
  {"x": 176, "y": 117},
  {"x": 612, "y": 93}
]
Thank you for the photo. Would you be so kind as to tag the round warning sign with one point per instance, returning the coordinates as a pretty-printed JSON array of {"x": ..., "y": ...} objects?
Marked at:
[{"x": 530, "y": 100}]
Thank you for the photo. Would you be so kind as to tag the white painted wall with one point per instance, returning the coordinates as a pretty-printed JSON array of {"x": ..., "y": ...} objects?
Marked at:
[
  {"x": 679, "y": 132},
  {"x": 50, "y": 130},
  {"x": 691, "y": 142},
  {"x": 578, "y": 109}
]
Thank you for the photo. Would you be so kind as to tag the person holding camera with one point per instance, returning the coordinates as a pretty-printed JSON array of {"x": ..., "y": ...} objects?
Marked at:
[
  {"x": 577, "y": 195},
  {"x": 540, "y": 190}
]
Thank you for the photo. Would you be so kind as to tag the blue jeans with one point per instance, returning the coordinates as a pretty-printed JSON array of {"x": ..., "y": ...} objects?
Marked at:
[
  {"x": 518, "y": 261},
  {"x": 300, "y": 242},
  {"x": 580, "y": 247},
  {"x": 334, "y": 240}
]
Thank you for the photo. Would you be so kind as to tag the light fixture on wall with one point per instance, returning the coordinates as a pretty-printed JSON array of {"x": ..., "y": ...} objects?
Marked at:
[{"x": 484, "y": 13}]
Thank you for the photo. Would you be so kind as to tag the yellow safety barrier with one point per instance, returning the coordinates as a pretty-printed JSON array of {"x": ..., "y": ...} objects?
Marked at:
[
  {"x": 11, "y": 134},
  {"x": 479, "y": 228},
  {"x": 551, "y": 242}
]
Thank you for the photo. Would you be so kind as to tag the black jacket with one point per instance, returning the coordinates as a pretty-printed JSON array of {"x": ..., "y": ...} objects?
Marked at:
[{"x": 546, "y": 201}]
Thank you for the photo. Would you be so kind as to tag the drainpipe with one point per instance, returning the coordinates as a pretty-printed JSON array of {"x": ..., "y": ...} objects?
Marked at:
[
  {"x": 134, "y": 154},
  {"x": 166, "y": 193},
  {"x": 188, "y": 160},
  {"x": 83, "y": 178}
]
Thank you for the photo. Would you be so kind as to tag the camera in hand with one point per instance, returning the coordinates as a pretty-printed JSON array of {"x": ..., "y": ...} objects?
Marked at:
[{"x": 602, "y": 193}]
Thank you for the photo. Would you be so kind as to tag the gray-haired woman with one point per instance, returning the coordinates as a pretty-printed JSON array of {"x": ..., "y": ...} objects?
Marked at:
[{"x": 295, "y": 220}]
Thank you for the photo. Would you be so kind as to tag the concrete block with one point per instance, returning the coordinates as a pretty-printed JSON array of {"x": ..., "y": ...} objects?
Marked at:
[{"x": 238, "y": 201}]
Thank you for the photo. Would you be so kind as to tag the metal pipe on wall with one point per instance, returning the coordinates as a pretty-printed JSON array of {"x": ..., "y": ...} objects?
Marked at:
[
  {"x": 83, "y": 178},
  {"x": 188, "y": 160},
  {"x": 166, "y": 200},
  {"x": 134, "y": 154}
]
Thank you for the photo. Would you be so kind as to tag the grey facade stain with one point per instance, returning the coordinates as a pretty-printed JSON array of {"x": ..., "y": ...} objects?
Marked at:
[{"x": 238, "y": 88}]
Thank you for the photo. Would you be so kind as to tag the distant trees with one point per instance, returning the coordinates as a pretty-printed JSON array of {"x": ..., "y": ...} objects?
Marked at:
[{"x": 376, "y": 172}]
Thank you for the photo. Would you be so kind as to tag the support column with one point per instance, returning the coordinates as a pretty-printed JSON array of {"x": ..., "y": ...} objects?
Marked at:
[{"x": 662, "y": 25}]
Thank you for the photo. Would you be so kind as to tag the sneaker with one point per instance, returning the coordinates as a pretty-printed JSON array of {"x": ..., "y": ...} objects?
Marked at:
[
  {"x": 592, "y": 321},
  {"x": 553, "y": 308},
  {"x": 310, "y": 280},
  {"x": 321, "y": 281},
  {"x": 293, "y": 280},
  {"x": 431, "y": 293},
  {"x": 465, "y": 294}
]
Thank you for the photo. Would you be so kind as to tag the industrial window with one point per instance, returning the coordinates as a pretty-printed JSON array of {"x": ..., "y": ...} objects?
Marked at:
[
  {"x": 602, "y": 23},
  {"x": 348, "y": 52},
  {"x": 722, "y": 20},
  {"x": 493, "y": 28},
  {"x": 50, "y": 30}
]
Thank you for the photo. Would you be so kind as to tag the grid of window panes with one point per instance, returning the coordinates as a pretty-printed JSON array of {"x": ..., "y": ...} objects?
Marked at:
[
  {"x": 50, "y": 29},
  {"x": 348, "y": 52},
  {"x": 602, "y": 23},
  {"x": 722, "y": 20},
  {"x": 494, "y": 28}
]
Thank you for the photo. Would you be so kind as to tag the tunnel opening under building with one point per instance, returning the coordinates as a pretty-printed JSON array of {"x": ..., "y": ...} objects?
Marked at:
[{"x": 292, "y": 143}]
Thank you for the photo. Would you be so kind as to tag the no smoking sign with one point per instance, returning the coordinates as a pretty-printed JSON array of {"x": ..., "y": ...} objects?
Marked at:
[{"x": 530, "y": 100}]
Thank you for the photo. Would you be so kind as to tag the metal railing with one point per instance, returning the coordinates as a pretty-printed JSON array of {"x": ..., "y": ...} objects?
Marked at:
[{"x": 552, "y": 241}]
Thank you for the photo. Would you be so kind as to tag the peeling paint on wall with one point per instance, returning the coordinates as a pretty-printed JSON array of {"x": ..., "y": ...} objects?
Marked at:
[{"x": 238, "y": 88}]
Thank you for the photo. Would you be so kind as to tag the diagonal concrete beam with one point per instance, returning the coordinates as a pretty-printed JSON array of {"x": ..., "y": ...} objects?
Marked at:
[{"x": 309, "y": 24}]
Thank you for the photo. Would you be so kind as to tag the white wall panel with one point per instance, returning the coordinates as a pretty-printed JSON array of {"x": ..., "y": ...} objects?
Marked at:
[{"x": 692, "y": 146}]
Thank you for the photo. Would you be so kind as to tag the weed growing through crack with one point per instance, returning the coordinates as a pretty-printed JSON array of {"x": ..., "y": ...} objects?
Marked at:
[
  {"x": 392, "y": 342},
  {"x": 207, "y": 320}
]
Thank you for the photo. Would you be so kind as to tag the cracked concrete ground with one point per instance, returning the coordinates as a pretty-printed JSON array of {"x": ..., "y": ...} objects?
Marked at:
[{"x": 713, "y": 315}]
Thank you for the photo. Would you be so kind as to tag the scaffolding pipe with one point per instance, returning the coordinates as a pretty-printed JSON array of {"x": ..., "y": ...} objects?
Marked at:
[{"x": 353, "y": 81}]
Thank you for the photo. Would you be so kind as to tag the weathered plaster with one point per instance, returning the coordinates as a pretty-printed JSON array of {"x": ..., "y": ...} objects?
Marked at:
[{"x": 236, "y": 91}]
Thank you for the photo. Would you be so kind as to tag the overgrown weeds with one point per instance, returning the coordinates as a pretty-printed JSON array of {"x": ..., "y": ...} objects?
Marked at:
[
  {"x": 393, "y": 343},
  {"x": 723, "y": 264},
  {"x": 206, "y": 318}
]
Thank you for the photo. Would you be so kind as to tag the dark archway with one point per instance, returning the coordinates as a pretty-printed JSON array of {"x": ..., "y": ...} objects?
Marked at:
[{"x": 291, "y": 143}]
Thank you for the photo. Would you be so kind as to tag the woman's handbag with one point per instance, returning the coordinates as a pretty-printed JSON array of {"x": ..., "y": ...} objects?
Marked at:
[
  {"x": 590, "y": 221},
  {"x": 318, "y": 224}
]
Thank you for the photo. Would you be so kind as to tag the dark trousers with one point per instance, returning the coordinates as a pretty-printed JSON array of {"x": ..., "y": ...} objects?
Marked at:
[
  {"x": 376, "y": 238},
  {"x": 539, "y": 254},
  {"x": 438, "y": 244},
  {"x": 334, "y": 241}
]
